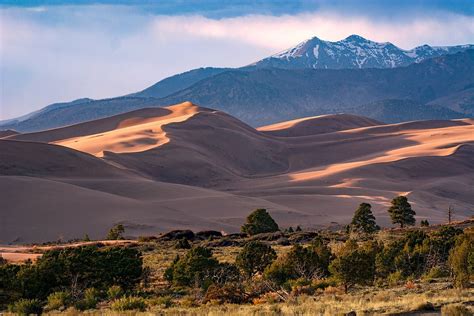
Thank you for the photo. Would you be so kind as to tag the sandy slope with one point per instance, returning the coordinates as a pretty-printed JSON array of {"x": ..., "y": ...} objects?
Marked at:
[
  {"x": 309, "y": 172},
  {"x": 317, "y": 125},
  {"x": 8, "y": 133},
  {"x": 130, "y": 132}
]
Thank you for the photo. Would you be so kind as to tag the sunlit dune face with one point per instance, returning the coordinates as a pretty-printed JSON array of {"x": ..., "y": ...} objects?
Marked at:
[
  {"x": 427, "y": 142},
  {"x": 288, "y": 124},
  {"x": 134, "y": 134}
]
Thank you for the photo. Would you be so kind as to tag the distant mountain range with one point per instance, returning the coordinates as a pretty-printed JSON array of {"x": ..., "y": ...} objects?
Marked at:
[
  {"x": 353, "y": 52},
  {"x": 355, "y": 75}
]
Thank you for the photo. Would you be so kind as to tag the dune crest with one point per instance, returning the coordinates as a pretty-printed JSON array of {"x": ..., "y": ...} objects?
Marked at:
[
  {"x": 317, "y": 125},
  {"x": 133, "y": 134}
]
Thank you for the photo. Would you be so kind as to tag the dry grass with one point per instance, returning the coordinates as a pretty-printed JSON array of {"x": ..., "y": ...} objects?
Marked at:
[{"x": 363, "y": 302}]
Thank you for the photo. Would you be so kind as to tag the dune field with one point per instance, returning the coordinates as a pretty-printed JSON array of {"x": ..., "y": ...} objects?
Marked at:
[{"x": 185, "y": 166}]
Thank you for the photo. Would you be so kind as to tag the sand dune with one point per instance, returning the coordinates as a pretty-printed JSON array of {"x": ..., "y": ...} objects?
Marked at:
[
  {"x": 8, "y": 133},
  {"x": 38, "y": 209},
  {"x": 189, "y": 167},
  {"x": 317, "y": 125},
  {"x": 130, "y": 132}
]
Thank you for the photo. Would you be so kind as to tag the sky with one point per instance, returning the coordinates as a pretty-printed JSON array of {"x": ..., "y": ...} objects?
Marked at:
[{"x": 58, "y": 51}]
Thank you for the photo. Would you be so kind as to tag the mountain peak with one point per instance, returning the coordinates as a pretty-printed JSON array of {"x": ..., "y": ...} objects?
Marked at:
[
  {"x": 354, "y": 51},
  {"x": 355, "y": 38}
]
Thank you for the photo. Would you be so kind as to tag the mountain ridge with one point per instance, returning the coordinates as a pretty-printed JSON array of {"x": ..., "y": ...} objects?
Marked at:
[
  {"x": 353, "y": 52},
  {"x": 458, "y": 103}
]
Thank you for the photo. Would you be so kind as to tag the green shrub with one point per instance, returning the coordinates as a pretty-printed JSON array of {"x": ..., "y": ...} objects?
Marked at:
[
  {"x": 116, "y": 232},
  {"x": 163, "y": 301},
  {"x": 259, "y": 221},
  {"x": 461, "y": 260},
  {"x": 26, "y": 307},
  {"x": 353, "y": 266},
  {"x": 300, "y": 263},
  {"x": 408, "y": 255},
  {"x": 194, "y": 268},
  {"x": 183, "y": 243},
  {"x": 455, "y": 310},
  {"x": 255, "y": 257},
  {"x": 58, "y": 300},
  {"x": 79, "y": 267},
  {"x": 89, "y": 301},
  {"x": 114, "y": 292},
  {"x": 129, "y": 303},
  {"x": 395, "y": 278},
  {"x": 435, "y": 273},
  {"x": 424, "y": 223}
]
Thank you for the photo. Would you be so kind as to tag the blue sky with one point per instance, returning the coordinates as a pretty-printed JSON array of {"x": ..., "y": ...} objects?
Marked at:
[{"x": 52, "y": 51}]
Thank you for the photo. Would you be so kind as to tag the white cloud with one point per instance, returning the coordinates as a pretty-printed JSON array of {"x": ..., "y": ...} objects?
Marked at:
[
  {"x": 59, "y": 54},
  {"x": 280, "y": 32}
]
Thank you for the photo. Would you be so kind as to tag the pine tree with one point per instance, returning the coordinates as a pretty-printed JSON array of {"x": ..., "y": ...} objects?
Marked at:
[
  {"x": 364, "y": 220},
  {"x": 116, "y": 232},
  {"x": 401, "y": 212},
  {"x": 259, "y": 221}
]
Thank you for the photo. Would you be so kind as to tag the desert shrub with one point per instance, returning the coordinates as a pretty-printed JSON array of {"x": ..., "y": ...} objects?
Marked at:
[
  {"x": 128, "y": 303},
  {"x": 77, "y": 268},
  {"x": 353, "y": 266},
  {"x": 364, "y": 220},
  {"x": 279, "y": 271},
  {"x": 306, "y": 263},
  {"x": 163, "y": 301},
  {"x": 10, "y": 289},
  {"x": 58, "y": 300},
  {"x": 26, "y": 307},
  {"x": 224, "y": 273},
  {"x": 455, "y": 310},
  {"x": 435, "y": 273},
  {"x": 254, "y": 257},
  {"x": 461, "y": 260},
  {"x": 408, "y": 256},
  {"x": 183, "y": 243},
  {"x": 424, "y": 223},
  {"x": 441, "y": 242},
  {"x": 192, "y": 269},
  {"x": 259, "y": 221},
  {"x": 401, "y": 212},
  {"x": 114, "y": 292},
  {"x": 227, "y": 293},
  {"x": 323, "y": 284},
  {"x": 89, "y": 301},
  {"x": 395, "y": 278},
  {"x": 116, "y": 232}
]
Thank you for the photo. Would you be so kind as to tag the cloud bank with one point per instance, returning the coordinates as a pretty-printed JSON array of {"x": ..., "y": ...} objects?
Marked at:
[{"x": 51, "y": 54}]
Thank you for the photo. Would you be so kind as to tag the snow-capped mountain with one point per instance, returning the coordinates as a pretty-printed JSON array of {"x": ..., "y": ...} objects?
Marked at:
[{"x": 353, "y": 52}]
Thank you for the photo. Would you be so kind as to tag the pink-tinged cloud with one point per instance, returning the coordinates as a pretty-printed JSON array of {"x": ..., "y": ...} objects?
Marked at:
[{"x": 108, "y": 51}]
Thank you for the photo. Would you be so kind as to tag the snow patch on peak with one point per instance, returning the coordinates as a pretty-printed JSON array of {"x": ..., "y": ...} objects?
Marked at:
[
  {"x": 316, "y": 51},
  {"x": 353, "y": 52}
]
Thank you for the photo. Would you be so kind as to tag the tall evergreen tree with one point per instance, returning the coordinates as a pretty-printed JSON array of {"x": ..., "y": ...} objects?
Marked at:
[
  {"x": 364, "y": 220},
  {"x": 401, "y": 212}
]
